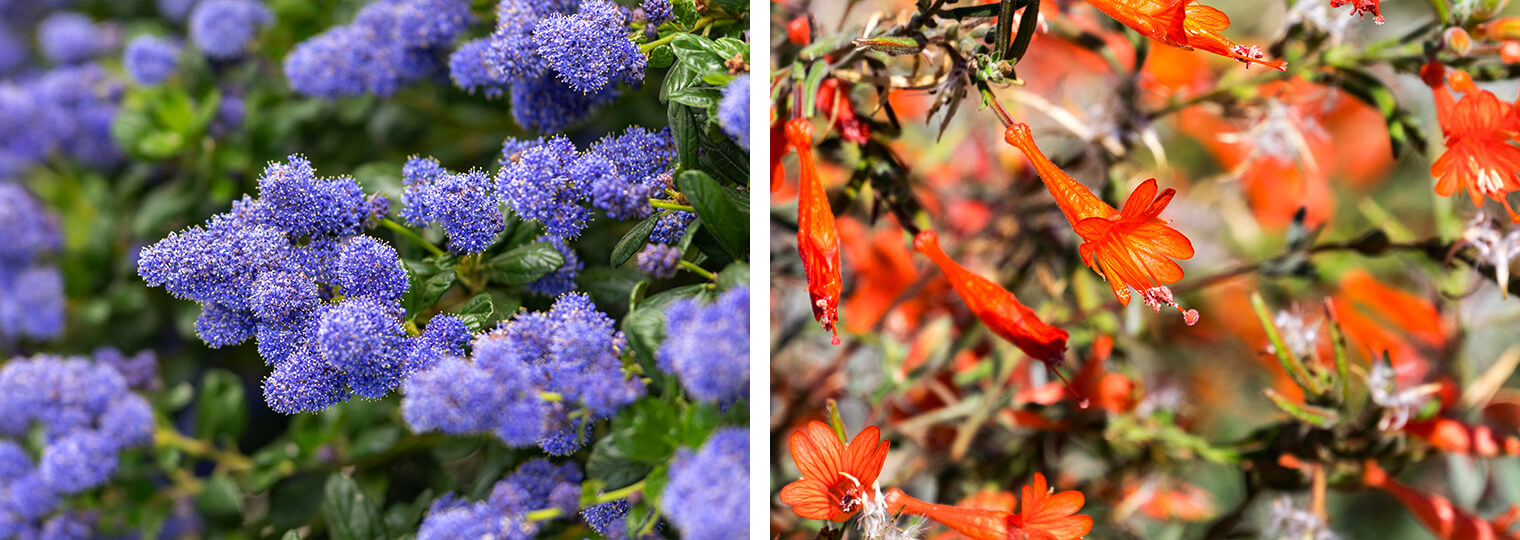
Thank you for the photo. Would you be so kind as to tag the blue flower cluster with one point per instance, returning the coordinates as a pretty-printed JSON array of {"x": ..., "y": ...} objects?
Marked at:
[
  {"x": 609, "y": 519},
  {"x": 556, "y": 63},
  {"x": 707, "y": 347},
  {"x": 150, "y": 59},
  {"x": 671, "y": 227},
  {"x": 86, "y": 415},
  {"x": 66, "y": 37},
  {"x": 548, "y": 180},
  {"x": 224, "y": 29},
  {"x": 657, "y": 12},
  {"x": 536, "y": 485},
  {"x": 659, "y": 260},
  {"x": 733, "y": 111},
  {"x": 590, "y": 50},
  {"x": 31, "y": 291},
  {"x": 464, "y": 204},
  {"x": 67, "y": 110},
  {"x": 291, "y": 270},
  {"x": 389, "y": 44},
  {"x": 541, "y": 378},
  {"x": 707, "y": 496}
]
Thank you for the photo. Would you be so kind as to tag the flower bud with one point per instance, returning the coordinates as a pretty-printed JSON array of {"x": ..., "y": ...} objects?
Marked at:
[{"x": 1457, "y": 40}]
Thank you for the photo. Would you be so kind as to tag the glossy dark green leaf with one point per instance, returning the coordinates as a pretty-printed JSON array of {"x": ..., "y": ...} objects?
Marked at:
[
  {"x": 645, "y": 326},
  {"x": 220, "y": 498},
  {"x": 724, "y": 159},
  {"x": 350, "y": 514},
  {"x": 630, "y": 244},
  {"x": 614, "y": 469},
  {"x": 476, "y": 312},
  {"x": 697, "y": 53},
  {"x": 221, "y": 411},
  {"x": 684, "y": 129},
  {"x": 525, "y": 264},
  {"x": 721, "y": 210},
  {"x": 733, "y": 275},
  {"x": 701, "y": 97}
]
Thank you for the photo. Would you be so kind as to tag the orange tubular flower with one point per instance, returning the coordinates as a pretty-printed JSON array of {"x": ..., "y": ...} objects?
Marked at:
[
  {"x": 1479, "y": 130},
  {"x": 1132, "y": 247},
  {"x": 817, "y": 236},
  {"x": 999, "y": 309},
  {"x": 1437, "y": 513},
  {"x": 1185, "y": 24},
  {"x": 837, "y": 480},
  {"x": 1045, "y": 516}
]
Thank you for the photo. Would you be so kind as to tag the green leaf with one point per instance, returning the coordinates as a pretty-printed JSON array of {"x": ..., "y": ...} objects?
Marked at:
[
  {"x": 815, "y": 74},
  {"x": 608, "y": 464},
  {"x": 699, "y": 421},
  {"x": 684, "y": 130},
  {"x": 701, "y": 97},
  {"x": 678, "y": 77},
  {"x": 661, "y": 57},
  {"x": 526, "y": 263},
  {"x": 733, "y": 275},
  {"x": 173, "y": 111},
  {"x": 157, "y": 145},
  {"x": 1004, "y": 31},
  {"x": 1291, "y": 363},
  {"x": 1316, "y": 416},
  {"x": 723, "y": 158},
  {"x": 698, "y": 54},
  {"x": 290, "y": 535},
  {"x": 630, "y": 244},
  {"x": 476, "y": 312},
  {"x": 220, "y": 498},
  {"x": 1028, "y": 24},
  {"x": 221, "y": 412},
  {"x": 434, "y": 287},
  {"x": 719, "y": 209},
  {"x": 646, "y": 431},
  {"x": 645, "y": 326},
  {"x": 350, "y": 514}
]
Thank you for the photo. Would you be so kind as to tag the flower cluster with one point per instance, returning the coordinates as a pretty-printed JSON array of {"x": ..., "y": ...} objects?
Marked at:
[
  {"x": 66, "y": 111},
  {"x": 708, "y": 494},
  {"x": 549, "y": 181},
  {"x": 291, "y": 270},
  {"x": 389, "y": 44},
  {"x": 224, "y": 29},
  {"x": 540, "y": 378},
  {"x": 66, "y": 37},
  {"x": 31, "y": 290},
  {"x": 86, "y": 415},
  {"x": 464, "y": 204},
  {"x": 150, "y": 60},
  {"x": 536, "y": 485},
  {"x": 708, "y": 346},
  {"x": 556, "y": 63}
]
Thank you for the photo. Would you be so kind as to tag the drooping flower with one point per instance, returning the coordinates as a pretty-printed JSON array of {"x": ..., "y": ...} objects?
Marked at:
[
  {"x": 1185, "y": 24},
  {"x": 838, "y": 480},
  {"x": 1479, "y": 130},
  {"x": 817, "y": 235},
  {"x": 1046, "y": 515},
  {"x": 998, "y": 308},
  {"x": 1131, "y": 247}
]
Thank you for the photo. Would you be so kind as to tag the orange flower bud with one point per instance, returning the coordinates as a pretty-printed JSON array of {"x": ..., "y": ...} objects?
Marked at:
[{"x": 999, "y": 309}]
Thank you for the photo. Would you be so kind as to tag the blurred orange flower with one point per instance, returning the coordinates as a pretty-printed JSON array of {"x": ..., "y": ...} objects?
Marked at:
[
  {"x": 837, "y": 480},
  {"x": 1362, "y": 7},
  {"x": 1046, "y": 516},
  {"x": 1184, "y": 24},
  {"x": 1479, "y": 130},
  {"x": 1437, "y": 513},
  {"x": 1384, "y": 319},
  {"x": 999, "y": 309},
  {"x": 1132, "y": 247},
  {"x": 817, "y": 236}
]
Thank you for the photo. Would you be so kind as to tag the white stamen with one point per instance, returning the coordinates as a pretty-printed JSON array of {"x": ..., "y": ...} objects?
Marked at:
[
  {"x": 1398, "y": 405},
  {"x": 1289, "y": 522}
]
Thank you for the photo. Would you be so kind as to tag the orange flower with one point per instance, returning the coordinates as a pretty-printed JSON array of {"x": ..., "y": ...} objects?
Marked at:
[
  {"x": 1437, "y": 513},
  {"x": 1046, "y": 516},
  {"x": 1361, "y": 7},
  {"x": 817, "y": 236},
  {"x": 1479, "y": 130},
  {"x": 999, "y": 309},
  {"x": 1454, "y": 437},
  {"x": 1184, "y": 24},
  {"x": 1132, "y": 247},
  {"x": 837, "y": 480}
]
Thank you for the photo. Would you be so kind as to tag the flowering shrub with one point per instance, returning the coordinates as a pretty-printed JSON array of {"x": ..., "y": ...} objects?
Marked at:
[
  {"x": 397, "y": 268},
  {"x": 968, "y": 198}
]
